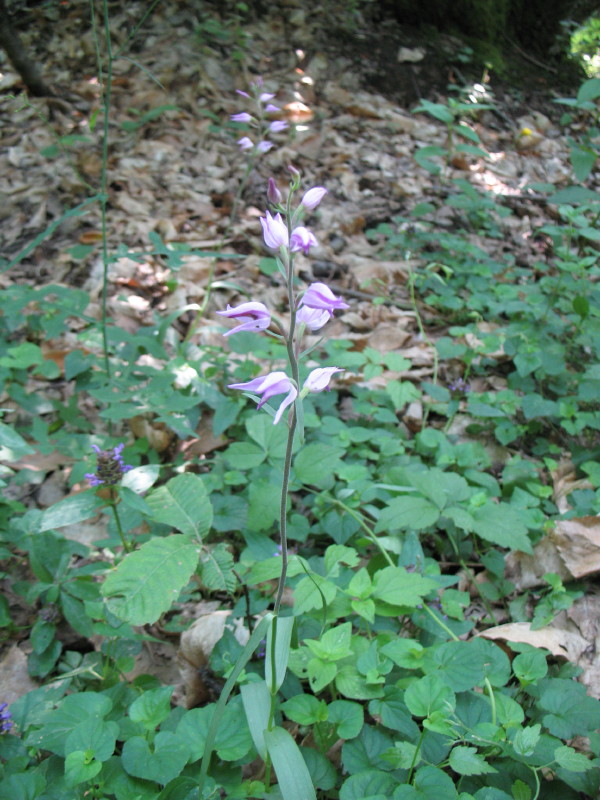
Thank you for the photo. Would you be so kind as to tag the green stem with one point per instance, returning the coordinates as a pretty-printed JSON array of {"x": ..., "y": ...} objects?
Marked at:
[
  {"x": 355, "y": 515},
  {"x": 113, "y": 505},
  {"x": 107, "y": 91},
  {"x": 492, "y": 697},
  {"x": 415, "y": 757},
  {"x": 442, "y": 624}
]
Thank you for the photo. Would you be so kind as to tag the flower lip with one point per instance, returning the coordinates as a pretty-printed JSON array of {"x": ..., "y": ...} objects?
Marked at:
[
  {"x": 268, "y": 386},
  {"x": 302, "y": 239},
  {"x": 313, "y": 318},
  {"x": 245, "y": 143},
  {"x": 319, "y": 295},
  {"x": 253, "y": 316}
]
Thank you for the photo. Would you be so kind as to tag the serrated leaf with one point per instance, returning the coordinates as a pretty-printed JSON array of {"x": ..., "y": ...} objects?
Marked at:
[
  {"x": 503, "y": 525},
  {"x": 183, "y": 504},
  {"x": 396, "y": 586},
  {"x": 570, "y": 759},
  {"x": 217, "y": 568},
  {"x": 149, "y": 580},
  {"x": 467, "y": 761}
]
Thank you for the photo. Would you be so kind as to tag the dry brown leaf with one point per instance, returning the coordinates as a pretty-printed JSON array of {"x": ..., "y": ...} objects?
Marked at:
[
  {"x": 561, "y": 643},
  {"x": 578, "y": 542},
  {"x": 526, "y": 571}
]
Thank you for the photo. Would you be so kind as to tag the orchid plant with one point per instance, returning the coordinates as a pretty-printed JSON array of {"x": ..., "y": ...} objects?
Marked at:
[{"x": 309, "y": 310}]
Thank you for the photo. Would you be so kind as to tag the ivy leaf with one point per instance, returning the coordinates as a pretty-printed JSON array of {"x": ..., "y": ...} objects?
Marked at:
[{"x": 148, "y": 581}]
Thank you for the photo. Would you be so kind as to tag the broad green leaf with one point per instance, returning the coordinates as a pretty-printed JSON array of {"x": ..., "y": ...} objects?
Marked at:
[
  {"x": 183, "y": 504},
  {"x": 526, "y": 739},
  {"x": 467, "y": 761},
  {"x": 348, "y": 716},
  {"x": 14, "y": 443},
  {"x": 80, "y": 767},
  {"x": 396, "y": 586},
  {"x": 409, "y": 511},
  {"x": 160, "y": 762},
  {"x": 428, "y": 695},
  {"x": 503, "y": 525},
  {"x": 75, "y": 508},
  {"x": 217, "y": 568},
  {"x": 371, "y": 783},
  {"x": 316, "y": 464},
  {"x": 152, "y": 707},
  {"x": 148, "y": 581},
  {"x": 292, "y": 773},
  {"x": 334, "y": 644},
  {"x": 305, "y": 709},
  {"x": 570, "y": 759},
  {"x": 94, "y": 735}
]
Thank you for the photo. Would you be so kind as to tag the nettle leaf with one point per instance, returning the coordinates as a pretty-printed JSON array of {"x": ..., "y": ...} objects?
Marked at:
[
  {"x": 371, "y": 783},
  {"x": 467, "y": 761},
  {"x": 410, "y": 511},
  {"x": 397, "y": 587},
  {"x": 183, "y": 504},
  {"x": 570, "y": 759},
  {"x": 149, "y": 580},
  {"x": 316, "y": 464},
  {"x": 503, "y": 525}
]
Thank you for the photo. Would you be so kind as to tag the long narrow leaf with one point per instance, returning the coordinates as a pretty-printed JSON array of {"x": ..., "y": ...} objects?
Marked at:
[
  {"x": 257, "y": 705},
  {"x": 259, "y": 633},
  {"x": 291, "y": 770},
  {"x": 284, "y": 627}
]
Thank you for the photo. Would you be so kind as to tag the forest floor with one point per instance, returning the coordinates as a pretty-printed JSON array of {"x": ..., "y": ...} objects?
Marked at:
[{"x": 174, "y": 168}]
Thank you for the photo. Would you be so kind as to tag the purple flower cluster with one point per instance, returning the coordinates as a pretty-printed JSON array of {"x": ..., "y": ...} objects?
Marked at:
[
  {"x": 459, "y": 387},
  {"x": 315, "y": 308},
  {"x": 6, "y": 721},
  {"x": 259, "y": 121},
  {"x": 110, "y": 467}
]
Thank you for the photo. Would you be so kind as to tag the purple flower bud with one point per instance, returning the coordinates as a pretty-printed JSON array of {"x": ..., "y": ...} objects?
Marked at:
[
  {"x": 318, "y": 380},
  {"x": 268, "y": 386},
  {"x": 245, "y": 143},
  {"x": 302, "y": 239},
  {"x": 6, "y": 721},
  {"x": 313, "y": 318},
  {"x": 319, "y": 295},
  {"x": 264, "y": 146},
  {"x": 271, "y": 109},
  {"x": 253, "y": 316},
  {"x": 278, "y": 125},
  {"x": 275, "y": 231},
  {"x": 266, "y": 96},
  {"x": 274, "y": 196},
  {"x": 313, "y": 197},
  {"x": 110, "y": 467},
  {"x": 244, "y": 94},
  {"x": 243, "y": 116}
]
